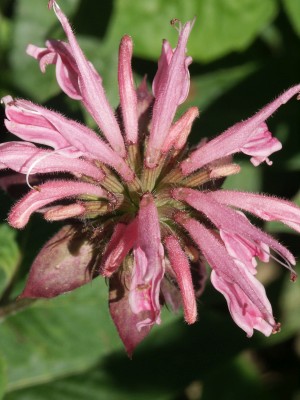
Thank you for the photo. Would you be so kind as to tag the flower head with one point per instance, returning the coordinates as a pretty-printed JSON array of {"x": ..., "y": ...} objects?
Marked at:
[{"x": 143, "y": 210}]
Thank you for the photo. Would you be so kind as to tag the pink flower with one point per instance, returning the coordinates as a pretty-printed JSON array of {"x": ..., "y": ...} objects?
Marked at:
[{"x": 134, "y": 204}]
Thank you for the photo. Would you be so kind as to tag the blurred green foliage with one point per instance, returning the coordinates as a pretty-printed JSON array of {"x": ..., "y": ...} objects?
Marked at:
[{"x": 245, "y": 52}]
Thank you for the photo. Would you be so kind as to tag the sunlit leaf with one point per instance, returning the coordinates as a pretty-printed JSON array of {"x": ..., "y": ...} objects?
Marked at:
[
  {"x": 292, "y": 9},
  {"x": 58, "y": 337},
  {"x": 2, "y": 377},
  {"x": 9, "y": 255},
  {"x": 222, "y": 26}
]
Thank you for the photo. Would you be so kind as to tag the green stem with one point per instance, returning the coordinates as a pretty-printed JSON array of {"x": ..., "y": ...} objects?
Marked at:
[{"x": 14, "y": 307}]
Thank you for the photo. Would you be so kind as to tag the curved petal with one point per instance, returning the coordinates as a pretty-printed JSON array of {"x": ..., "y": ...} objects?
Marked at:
[
  {"x": 59, "y": 53},
  {"x": 38, "y": 124},
  {"x": 92, "y": 90},
  {"x": 265, "y": 207},
  {"x": 26, "y": 158},
  {"x": 47, "y": 193},
  {"x": 243, "y": 311},
  {"x": 237, "y": 137},
  {"x": 230, "y": 221},
  {"x": 242, "y": 291},
  {"x": 244, "y": 250}
]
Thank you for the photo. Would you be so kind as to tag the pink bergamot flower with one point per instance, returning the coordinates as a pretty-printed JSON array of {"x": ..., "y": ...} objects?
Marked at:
[{"x": 142, "y": 209}]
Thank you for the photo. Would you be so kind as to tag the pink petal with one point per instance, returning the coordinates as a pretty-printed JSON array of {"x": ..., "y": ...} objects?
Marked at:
[
  {"x": 261, "y": 145},
  {"x": 26, "y": 158},
  {"x": 92, "y": 90},
  {"x": 125, "y": 320},
  {"x": 244, "y": 250},
  {"x": 180, "y": 130},
  {"x": 40, "y": 125},
  {"x": 245, "y": 313},
  {"x": 181, "y": 267},
  {"x": 120, "y": 244},
  {"x": 242, "y": 291},
  {"x": 172, "y": 87},
  {"x": 128, "y": 97},
  {"x": 237, "y": 137},
  {"x": 60, "y": 54},
  {"x": 265, "y": 207},
  {"x": 57, "y": 269},
  {"x": 229, "y": 220},
  {"x": 148, "y": 268},
  {"x": 47, "y": 193},
  {"x": 164, "y": 61}
]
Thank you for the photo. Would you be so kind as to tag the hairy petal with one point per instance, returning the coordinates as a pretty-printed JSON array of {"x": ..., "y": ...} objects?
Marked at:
[
  {"x": 118, "y": 247},
  {"x": 92, "y": 90},
  {"x": 164, "y": 61},
  {"x": 245, "y": 313},
  {"x": 244, "y": 250},
  {"x": 247, "y": 300},
  {"x": 37, "y": 124},
  {"x": 61, "y": 266},
  {"x": 47, "y": 193},
  {"x": 229, "y": 220},
  {"x": 238, "y": 137},
  {"x": 181, "y": 267},
  {"x": 128, "y": 96},
  {"x": 60, "y": 54},
  {"x": 148, "y": 268},
  {"x": 172, "y": 87},
  {"x": 261, "y": 145},
  {"x": 180, "y": 130},
  {"x": 265, "y": 207},
  {"x": 26, "y": 158}
]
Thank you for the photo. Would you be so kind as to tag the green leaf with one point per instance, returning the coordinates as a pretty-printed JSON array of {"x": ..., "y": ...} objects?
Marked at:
[
  {"x": 156, "y": 371},
  {"x": 241, "y": 374},
  {"x": 205, "y": 89},
  {"x": 59, "y": 337},
  {"x": 292, "y": 9},
  {"x": 222, "y": 26},
  {"x": 249, "y": 179},
  {"x": 290, "y": 304},
  {"x": 2, "y": 377},
  {"x": 9, "y": 255}
]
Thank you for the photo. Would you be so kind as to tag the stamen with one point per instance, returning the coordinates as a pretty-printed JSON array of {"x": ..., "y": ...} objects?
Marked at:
[
  {"x": 32, "y": 166},
  {"x": 276, "y": 328},
  {"x": 177, "y": 24}
]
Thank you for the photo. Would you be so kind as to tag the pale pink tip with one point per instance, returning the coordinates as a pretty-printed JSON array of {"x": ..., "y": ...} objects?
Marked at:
[{"x": 128, "y": 96}]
